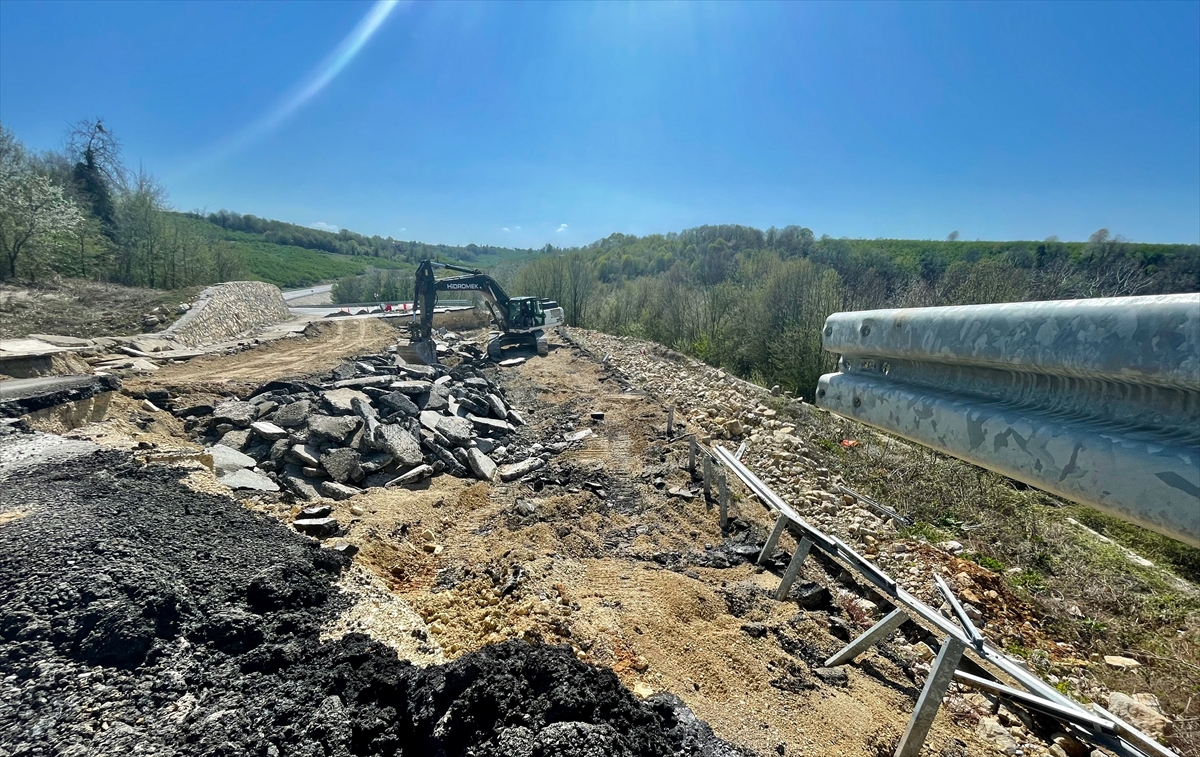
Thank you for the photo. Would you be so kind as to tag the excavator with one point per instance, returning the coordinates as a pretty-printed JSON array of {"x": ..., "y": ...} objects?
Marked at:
[{"x": 521, "y": 320}]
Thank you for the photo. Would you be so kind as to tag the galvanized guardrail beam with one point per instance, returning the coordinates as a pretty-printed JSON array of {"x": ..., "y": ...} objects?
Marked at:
[
  {"x": 1097, "y": 401},
  {"x": 1106, "y": 731}
]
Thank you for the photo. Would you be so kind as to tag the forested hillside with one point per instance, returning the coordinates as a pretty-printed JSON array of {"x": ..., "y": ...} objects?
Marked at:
[
  {"x": 754, "y": 302},
  {"x": 346, "y": 242},
  {"x": 80, "y": 212}
]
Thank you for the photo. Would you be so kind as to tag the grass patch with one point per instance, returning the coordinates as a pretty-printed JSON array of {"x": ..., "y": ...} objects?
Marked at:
[
  {"x": 1030, "y": 580},
  {"x": 984, "y": 561},
  {"x": 926, "y": 531},
  {"x": 1182, "y": 560}
]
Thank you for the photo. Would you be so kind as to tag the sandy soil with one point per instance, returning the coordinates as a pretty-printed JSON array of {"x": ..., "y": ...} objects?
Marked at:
[{"x": 326, "y": 344}]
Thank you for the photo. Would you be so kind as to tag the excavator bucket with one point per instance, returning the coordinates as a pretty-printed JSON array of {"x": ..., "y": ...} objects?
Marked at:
[{"x": 421, "y": 351}]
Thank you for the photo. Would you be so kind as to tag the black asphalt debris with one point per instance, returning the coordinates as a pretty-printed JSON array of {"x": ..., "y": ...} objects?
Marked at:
[{"x": 140, "y": 617}]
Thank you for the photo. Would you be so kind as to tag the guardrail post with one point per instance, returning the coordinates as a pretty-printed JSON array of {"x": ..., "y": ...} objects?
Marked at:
[
  {"x": 772, "y": 540},
  {"x": 671, "y": 421},
  {"x": 723, "y": 489},
  {"x": 793, "y": 569},
  {"x": 972, "y": 632},
  {"x": 1094, "y": 730},
  {"x": 931, "y": 697},
  {"x": 869, "y": 638},
  {"x": 708, "y": 475},
  {"x": 692, "y": 456}
]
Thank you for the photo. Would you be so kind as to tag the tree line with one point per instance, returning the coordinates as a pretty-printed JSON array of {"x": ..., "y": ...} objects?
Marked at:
[
  {"x": 346, "y": 242},
  {"x": 376, "y": 285},
  {"x": 79, "y": 212},
  {"x": 754, "y": 302}
]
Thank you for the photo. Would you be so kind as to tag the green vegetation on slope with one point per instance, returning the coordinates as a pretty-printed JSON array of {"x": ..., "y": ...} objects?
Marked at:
[
  {"x": 754, "y": 302},
  {"x": 79, "y": 213},
  {"x": 349, "y": 243},
  {"x": 284, "y": 265}
]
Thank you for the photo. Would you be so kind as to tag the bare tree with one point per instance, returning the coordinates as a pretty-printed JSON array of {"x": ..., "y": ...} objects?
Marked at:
[{"x": 92, "y": 144}]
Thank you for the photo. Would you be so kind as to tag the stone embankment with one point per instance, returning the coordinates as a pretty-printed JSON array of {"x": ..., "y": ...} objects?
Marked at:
[{"x": 226, "y": 311}]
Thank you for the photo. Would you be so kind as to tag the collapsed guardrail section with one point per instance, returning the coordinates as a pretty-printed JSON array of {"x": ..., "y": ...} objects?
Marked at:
[
  {"x": 1095, "y": 726},
  {"x": 1097, "y": 401}
]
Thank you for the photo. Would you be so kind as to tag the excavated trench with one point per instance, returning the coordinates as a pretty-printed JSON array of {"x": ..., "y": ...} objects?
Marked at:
[{"x": 140, "y": 616}]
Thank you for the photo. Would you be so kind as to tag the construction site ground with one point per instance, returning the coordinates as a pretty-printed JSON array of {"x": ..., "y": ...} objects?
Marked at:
[{"x": 613, "y": 551}]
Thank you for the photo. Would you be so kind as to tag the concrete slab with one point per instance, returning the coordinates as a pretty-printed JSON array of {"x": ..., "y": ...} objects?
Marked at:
[
  {"x": 62, "y": 341},
  {"x": 29, "y": 347}
]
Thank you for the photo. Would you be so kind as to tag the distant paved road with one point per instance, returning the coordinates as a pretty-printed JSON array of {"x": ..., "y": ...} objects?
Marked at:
[{"x": 318, "y": 295}]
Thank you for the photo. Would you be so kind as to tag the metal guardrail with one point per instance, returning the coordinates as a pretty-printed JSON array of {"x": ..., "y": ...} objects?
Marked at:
[
  {"x": 1094, "y": 726},
  {"x": 1097, "y": 401}
]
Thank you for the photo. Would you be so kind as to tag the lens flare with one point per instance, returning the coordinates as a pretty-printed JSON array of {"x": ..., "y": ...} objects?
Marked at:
[{"x": 317, "y": 80}]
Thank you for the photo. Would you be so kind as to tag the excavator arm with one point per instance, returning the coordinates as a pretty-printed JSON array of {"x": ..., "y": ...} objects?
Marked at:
[{"x": 426, "y": 286}]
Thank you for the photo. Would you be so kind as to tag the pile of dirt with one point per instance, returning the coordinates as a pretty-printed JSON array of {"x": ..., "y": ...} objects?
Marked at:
[{"x": 141, "y": 616}]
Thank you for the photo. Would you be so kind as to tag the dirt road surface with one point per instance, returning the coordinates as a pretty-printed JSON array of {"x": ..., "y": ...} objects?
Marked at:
[{"x": 323, "y": 346}]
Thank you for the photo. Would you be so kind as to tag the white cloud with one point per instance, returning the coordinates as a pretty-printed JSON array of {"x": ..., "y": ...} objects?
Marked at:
[
  {"x": 518, "y": 228},
  {"x": 562, "y": 228},
  {"x": 403, "y": 228},
  {"x": 505, "y": 228},
  {"x": 324, "y": 226}
]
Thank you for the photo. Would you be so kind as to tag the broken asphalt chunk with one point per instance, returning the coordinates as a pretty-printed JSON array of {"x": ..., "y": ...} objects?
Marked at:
[
  {"x": 320, "y": 528},
  {"x": 227, "y": 460},
  {"x": 268, "y": 430},
  {"x": 513, "y": 471},
  {"x": 235, "y": 412},
  {"x": 418, "y": 473},
  {"x": 292, "y": 414},
  {"x": 398, "y": 443},
  {"x": 481, "y": 465},
  {"x": 411, "y": 388},
  {"x": 244, "y": 478},
  {"x": 334, "y": 490},
  {"x": 336, "y": 429},
  {"x": 456, "y": 430}
]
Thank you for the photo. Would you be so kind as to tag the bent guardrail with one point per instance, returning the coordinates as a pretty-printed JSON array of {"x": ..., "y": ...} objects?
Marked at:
[{"x": 1097, "y": 401}]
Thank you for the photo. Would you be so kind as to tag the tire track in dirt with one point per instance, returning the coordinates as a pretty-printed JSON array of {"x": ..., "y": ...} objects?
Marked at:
[{"x": 293, "y": 357}]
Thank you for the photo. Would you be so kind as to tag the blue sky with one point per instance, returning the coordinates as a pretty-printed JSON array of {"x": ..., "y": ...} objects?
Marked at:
[{"x": 522, "y": 124}]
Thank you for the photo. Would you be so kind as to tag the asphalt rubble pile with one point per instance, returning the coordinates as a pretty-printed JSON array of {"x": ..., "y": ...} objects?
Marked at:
[
  {"x": 375, "y": 421},
  {"x": 140, "y": 616}
]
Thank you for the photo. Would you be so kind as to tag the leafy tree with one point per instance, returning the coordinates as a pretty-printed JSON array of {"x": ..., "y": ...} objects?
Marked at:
[{"x": 34, "y": 213}]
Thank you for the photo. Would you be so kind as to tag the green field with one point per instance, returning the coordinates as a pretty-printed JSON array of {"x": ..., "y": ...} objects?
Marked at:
[{"x": 288, "y": 266}]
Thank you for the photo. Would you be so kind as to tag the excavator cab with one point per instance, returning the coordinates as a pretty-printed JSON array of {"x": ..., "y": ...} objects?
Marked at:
[{"x": 525, "y": 313}]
